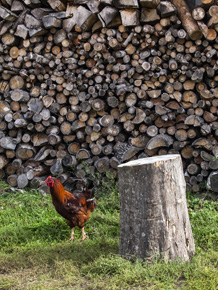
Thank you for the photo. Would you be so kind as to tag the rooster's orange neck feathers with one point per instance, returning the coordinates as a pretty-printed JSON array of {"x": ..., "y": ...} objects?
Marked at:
[{"x": 58, "y": 192}]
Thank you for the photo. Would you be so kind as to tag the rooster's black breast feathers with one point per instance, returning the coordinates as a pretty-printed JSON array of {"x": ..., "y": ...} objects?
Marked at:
[{"x": 73, "y": 205}]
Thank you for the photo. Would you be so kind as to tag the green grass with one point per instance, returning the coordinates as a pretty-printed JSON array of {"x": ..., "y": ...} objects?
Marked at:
[{"x": 35, "y": 252}]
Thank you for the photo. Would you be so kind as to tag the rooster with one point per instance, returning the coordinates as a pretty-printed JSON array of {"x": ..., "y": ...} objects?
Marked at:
[{"x": 75, "y": 208}]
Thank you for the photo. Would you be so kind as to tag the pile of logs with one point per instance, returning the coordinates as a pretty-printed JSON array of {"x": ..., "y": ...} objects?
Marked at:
[{"x": 104, "y": 82}]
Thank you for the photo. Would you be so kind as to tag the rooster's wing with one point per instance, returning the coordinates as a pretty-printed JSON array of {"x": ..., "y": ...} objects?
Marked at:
[{"x": 74, "y": 204}]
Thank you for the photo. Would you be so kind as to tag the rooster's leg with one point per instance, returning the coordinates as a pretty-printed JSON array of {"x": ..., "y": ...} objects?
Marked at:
[
  {"x": 84, "y": 234},
  {"x": 72, "y": 234}
]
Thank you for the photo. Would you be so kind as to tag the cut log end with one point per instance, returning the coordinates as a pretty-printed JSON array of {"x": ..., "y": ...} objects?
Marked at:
[
  {"x": 150, "y": 160},
  {"x": 196, "y": 34}
]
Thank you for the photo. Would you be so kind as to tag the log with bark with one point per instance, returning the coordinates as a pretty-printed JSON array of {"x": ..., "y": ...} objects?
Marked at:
[{"x": 152, "y": 193}]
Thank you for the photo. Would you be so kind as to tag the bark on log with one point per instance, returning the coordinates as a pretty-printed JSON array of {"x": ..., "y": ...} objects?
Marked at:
[
  {"x": 150, "y": 225},
  {"x": 188, "y": 22}
]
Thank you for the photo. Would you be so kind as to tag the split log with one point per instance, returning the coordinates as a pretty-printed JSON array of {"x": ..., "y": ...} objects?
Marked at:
[
  {"x": 8, "y": 143},
  {"x": 212, "y": 181},
  {"x": 51, "y": 21},
  {"x": 84, "y": 18},
  {"x": 3, "y": 161},
  {"x": 149, "y": 15},
  {"x": 57, "y": 168},
  {"x": 159, "y": 141},
  {"x": 167, "y": 9},
  {"x": 6, "y": 14},
  {"x": 57, "y": 5},
  {"x": 129, "y": 17},
  {"x": 149, "y": 3},
  {"x": 126, "y": 4},
  {"x": 107, "y": 14}
]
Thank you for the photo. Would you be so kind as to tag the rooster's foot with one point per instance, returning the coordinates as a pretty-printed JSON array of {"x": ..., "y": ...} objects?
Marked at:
[
  {"x": 84, "y": 237},
  {"x": 72, "y": 235}
]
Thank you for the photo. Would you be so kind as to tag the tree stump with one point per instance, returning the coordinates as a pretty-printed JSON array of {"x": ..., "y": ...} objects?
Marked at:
[{"x": 154, "y": 220}]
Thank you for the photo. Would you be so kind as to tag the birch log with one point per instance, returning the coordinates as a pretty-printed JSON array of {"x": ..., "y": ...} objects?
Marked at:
[{"x": 154, "y": 218}]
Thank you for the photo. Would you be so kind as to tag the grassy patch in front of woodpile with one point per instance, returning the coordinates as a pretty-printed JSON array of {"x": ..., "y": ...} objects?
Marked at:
[{"x": 35, "y": 252}]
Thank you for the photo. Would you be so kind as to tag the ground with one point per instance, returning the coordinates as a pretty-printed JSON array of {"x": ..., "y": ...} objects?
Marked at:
[{"x": 35, "y": 252}]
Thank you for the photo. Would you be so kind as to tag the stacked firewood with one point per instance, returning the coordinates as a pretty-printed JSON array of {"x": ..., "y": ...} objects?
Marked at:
[{"x": 104, "y": 82}]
